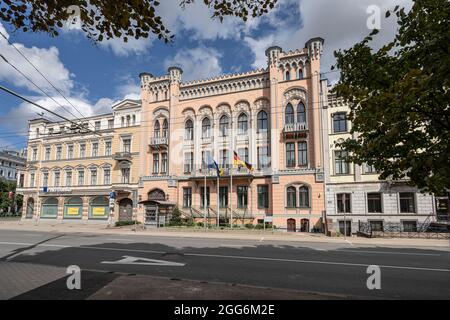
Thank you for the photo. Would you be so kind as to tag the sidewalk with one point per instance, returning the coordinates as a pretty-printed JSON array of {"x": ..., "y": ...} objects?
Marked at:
[{"x": 255, "y": 235}]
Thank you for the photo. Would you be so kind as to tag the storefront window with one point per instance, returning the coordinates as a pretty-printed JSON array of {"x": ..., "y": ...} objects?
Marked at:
[
  {"x": 99, "y": 208},
  {"x": 73, "y": 208},
  {"x": 49, "y": 208}
]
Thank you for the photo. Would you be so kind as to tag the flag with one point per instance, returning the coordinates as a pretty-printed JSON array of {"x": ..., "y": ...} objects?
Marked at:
[
  {"x": 212, "y": 164},
  {"x": 241, "y": 163}
]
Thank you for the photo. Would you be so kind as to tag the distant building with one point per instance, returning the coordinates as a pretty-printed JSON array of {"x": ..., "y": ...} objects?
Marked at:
[{"x": 10, "y": 164}]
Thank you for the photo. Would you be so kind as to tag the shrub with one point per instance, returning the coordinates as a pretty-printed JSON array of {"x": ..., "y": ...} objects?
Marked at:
[{"x": 126, "y": 223}]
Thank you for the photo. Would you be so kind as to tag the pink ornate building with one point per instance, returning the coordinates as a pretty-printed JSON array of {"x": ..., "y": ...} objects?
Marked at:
[{"x": 270, "y": 117}]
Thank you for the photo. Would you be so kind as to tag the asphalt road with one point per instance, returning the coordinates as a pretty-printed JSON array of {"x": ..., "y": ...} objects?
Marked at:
[{"x": 323, "y": 268}]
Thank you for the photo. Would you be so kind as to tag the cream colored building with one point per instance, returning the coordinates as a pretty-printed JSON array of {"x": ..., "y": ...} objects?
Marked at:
[
  {"x": 355, "y": 194},
  {"x": 71, "y": 173},
  {"x": 270, "y": 117}
]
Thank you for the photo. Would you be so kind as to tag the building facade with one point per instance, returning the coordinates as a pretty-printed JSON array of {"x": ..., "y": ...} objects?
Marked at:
[
  {"x": 11, "y": 162},
  {"x": 71, "y": 173},
  {"x": 271, "y": 118},
  {"x": 355, "y": 195}
]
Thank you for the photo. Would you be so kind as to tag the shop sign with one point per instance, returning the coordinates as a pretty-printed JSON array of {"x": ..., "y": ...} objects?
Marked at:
[
  {"x": 98, "y": 211},
  {"x": 73, "y": 211},
  {"x": 56, "y": 190}
]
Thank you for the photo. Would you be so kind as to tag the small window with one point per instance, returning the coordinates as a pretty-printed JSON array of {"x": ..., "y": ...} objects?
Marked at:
[
  {"x": 187, "y": 197},
  {"x": 242, "y": 124},
  {"x": 343, "y": 202},
  {"x": 340, "y": 122},
  {"x": 289, "y": 114},
  {"x": 409, "y": 226},
  {"x": 223, "y": 126},
  {"x": 302, "y": 153},
  {"x": 407, "y": 202},
  {"x": 263, "y": 196},
  {"x": 291, "y": 197},
  {"x": 97, "y": 125},
  {"x": 206, "y": 128},
  {"x": 374, "y": 202},
  {"x": 287, "y": 76},
  {"x": 290, "y": 154},
  {"x": 189, "y": 130},
  {"x": 341, "y": 165},
  {"x": 262, "y": 120},
  {"x": 303, "y": 195}
]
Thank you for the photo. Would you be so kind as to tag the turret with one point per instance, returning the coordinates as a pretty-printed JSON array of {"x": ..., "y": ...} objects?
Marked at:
[{"x": 315, "y": 48}]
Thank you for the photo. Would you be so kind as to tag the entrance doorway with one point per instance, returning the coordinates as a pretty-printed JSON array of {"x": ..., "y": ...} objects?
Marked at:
[
  {"x": 125, "y": 210},
  {"x": 291, "y": 225},
  {"x": 345, "y": 227},
  {"x": 30, "y": 209},
  {"x": 304, "y": 225}
]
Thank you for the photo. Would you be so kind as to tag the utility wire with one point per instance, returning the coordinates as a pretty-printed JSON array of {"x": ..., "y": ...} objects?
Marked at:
[
  {"x": 35, "y": 68},
  {"x": 45, "y": 109}
]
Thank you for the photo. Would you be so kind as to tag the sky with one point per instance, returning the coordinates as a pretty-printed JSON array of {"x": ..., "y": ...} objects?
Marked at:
[{"x": 95, "y": 76}]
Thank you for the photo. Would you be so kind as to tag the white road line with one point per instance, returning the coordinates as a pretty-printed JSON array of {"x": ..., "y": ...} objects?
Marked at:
[
  {"x": 246, "y": 257},
  {"x": 238, "y": 245},
  {"x": 115, "y": 239}
]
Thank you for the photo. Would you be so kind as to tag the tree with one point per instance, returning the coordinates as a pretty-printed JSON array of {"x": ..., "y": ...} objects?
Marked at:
[
  {"x": 114, "y": 19},
  {"x": 6, "y": 202},
  {"x": 399, "y": 98}
]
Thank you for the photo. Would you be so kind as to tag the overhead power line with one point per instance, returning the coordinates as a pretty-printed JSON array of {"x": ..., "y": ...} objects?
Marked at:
[{"x": 45, "y": 109}]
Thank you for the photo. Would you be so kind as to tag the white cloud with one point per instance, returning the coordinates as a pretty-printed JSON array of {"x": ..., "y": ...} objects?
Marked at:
[
  {"x": 43, "y": 58},
  {"x": 196, "y": 19},
  {"x": 125, "y": 49},
  {"x": 197, "y": 63},
  {"x": 48, "y": 62},
  {"x": 341, "y": 23}
]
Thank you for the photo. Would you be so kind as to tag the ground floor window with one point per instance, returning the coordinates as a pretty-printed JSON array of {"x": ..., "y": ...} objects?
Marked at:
[
  {"x": 49, "y": 208},
  {"x": 242, "y": 194},
  {"x": 223, "y": 197},
  {"x": 99, "y": 208},
  {"x": 343, "y": 202},
  {"x": 202, "y": 197},
  {"x": 376, "y": 225},
  {"x": 409, "y": 226},
  {"x": 187, "y": 197},
  {"x": 345, "y": 227},
  {"x": 73, "y": 208},
  {"x": 263, "y": 196}
]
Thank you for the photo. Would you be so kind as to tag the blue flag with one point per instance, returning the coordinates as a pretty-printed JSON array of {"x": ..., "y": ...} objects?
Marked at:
[{"x": 212, "y": 164}]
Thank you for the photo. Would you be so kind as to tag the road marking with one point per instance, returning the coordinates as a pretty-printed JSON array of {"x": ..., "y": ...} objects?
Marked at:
[
  {"x": 115, "y": 239},
  {"x": 349, "y": 242},
  {"x": 145, "y": 262},
  {"x": 247, "y": 258},
  {"x": 238, "y": 245}
]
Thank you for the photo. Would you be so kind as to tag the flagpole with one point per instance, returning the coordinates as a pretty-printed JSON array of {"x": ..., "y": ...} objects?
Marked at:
[
  {"x": 218, "y": 206},
  {"x": 231, "y": 173},
  {"x": 204, "y": 197}
]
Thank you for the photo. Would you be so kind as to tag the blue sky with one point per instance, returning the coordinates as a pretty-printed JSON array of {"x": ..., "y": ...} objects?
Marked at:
[{"x": 93, "y": 77}]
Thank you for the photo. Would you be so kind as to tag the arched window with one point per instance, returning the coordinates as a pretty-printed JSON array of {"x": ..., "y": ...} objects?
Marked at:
[
  {"x": 189, "y": 130},
  {"x": 128, "y": 120},
  {"x": 262, "y": 120},
  {"x": 99, "y": 208},
  {"x": 165, "y": 128},
  {"x": 301, "y": 112},
  {"x": 300, "y": 73},
  {"x": 223, "y": 126},
  {"x": 73, "y": 207},
  {"x": 206, "y": 128},
  {"x": 242, "y": 123},
  {"x": 289, "y": 114},
  {"x": 49, "y": 208},
  {"x": 291, "y": 197},
  {"x": 303, "y": 197},
  {"x": 123, "y": 121},
  {"x": 156, "y": 129},
  {"x": 287, "y": 76}
]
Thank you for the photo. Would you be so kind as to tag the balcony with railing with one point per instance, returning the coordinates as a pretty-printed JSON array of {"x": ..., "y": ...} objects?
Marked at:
[
  {"x": 159, "y": 142},
  {"x": 295, "y": 128},
  {"x": 122, "y": 156}
]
